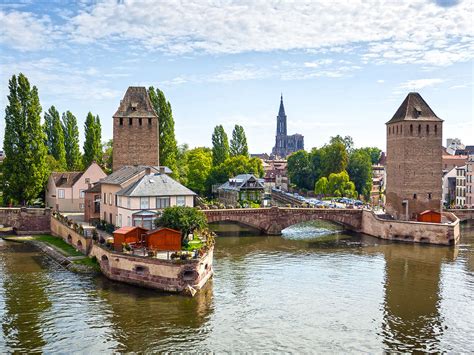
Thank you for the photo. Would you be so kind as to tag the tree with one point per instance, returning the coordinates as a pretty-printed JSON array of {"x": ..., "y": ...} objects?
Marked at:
[
  {"x": 321, "y": 187},
  {"x": 71, "y": 142},
  {"x": 299, "y": 170},
  {"x": 48, "y": 127},
  {"x": 339, "y": 185},
  {"x": 55, "y": 138},
  {"x": 374, "y": 153},
  {"x": 92, "y": 144},
  {"x": 347, "y": 141},
  {"x": 107, "y": 155},
  {"x": 181, "y": 161},
  {"x": 184, "y": 219},
  {"x": 220, "y": 146},
  {"x": 360, "y": 171},
  {"x": 24, "y": 168},
  {"x": 199, "y": 162},
  {"x": 315, "y": 158},
  {"x": 167, "y": 142},
  {"x": 238, "y": 143},
  {"x": 334, "y": 157}
]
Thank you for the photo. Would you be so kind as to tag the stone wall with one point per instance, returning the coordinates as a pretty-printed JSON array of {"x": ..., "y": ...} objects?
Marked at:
[
  {"x": 167, "y": 275},
  {"x": 78, "y": 241},
  {"x": 26, "y": 220},
  {"x": 407, "y": 231},
  {"x": 463, "y": 214}
]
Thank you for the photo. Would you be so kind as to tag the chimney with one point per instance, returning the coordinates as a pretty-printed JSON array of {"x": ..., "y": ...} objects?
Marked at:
[
  {"x": 162, "y": 169},
  {"x": 147, "y": 170}
]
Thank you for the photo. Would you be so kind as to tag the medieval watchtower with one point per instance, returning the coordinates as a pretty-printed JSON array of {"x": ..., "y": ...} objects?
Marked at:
[
  {"x": 136, "y": 133},
  {"x": 414, "y": 159}
]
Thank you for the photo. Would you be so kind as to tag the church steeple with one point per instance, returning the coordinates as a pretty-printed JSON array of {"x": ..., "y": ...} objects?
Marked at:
[{"x": 281, "y": 112}]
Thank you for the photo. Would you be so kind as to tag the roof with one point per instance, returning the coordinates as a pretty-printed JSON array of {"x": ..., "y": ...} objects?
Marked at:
[
  {"x": 155, "y": 184},
  {"x": 414, "y": 108},
  {"x": 163, "y": 228},
  {"x": 136, "y": 103},
  {"x": 429, "y": 211},
  {"x": 125, "y": 173},
  {"x": 94, "y": 188},
  {"x": 281, "y": 111},
  {"x": 126, "y": 230},
  {"x": 237, "y": 182},
  {"x": 66, "y": 179}
]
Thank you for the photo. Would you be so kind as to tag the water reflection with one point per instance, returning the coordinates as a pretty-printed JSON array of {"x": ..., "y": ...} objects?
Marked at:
[
  {"x": 144, "y": 320},
  {"x": 24, "y": 297}
]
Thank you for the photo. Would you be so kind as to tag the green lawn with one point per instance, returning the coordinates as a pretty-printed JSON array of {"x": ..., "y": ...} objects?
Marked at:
[
  {"x": 193, "y": 245},
  {"x": 90, "y": 262},
  {"x": 67, "y": 249}
]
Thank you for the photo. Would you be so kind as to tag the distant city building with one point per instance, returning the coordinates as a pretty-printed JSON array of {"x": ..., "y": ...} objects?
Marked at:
[
  {"x": 276, "y": 174},
  {"x": 285, "y": 144},
  {"x": 461, "y": 186},
  {"x": 452, "y": 161},
  {"x": 135, "y": 131},
  {"x": 242, "y": 189},
  {"x": 470, "y": 181},
  {"x": 449, "y": 187},
  {"x": 453, "y": 145},
  {"x": 414, "y": 159}
]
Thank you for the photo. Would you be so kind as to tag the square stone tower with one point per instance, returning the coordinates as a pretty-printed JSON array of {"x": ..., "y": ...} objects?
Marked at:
[
  {"x": 414, "y": 159},
  {"x": 136, "y": 131}
]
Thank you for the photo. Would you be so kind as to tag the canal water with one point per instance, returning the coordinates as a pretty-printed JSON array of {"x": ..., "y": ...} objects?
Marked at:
[{"x": 316, "y": 288}]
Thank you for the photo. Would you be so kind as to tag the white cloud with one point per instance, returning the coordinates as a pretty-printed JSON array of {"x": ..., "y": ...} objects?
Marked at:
[
  {"x": 420, "y": 83},
  {"x": 414, "y": 31},
  {"x": 25, "y": 31},
  {"x": 380, "y": 81}
]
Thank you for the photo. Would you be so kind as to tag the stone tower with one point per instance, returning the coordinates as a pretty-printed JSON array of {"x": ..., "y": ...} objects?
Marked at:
[
  {"x": 281, "y": 133},
  {"x": 136, "y": 138},
  {"x": 414, "y": 159}
]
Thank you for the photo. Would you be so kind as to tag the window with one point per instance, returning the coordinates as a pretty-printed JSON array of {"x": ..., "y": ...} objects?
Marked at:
[
  {"x": 140, "y": 121},
  {"x": 105, "y": 199},
  {"x": 60, "y": 193},
  {"x": 419, "y": 129},
  {"x": 88, "y": 181},
  {"x": 128, "y": 221},
  {"x": 180, "y": 201},
  {"x": 427, "y": 129},
  {"x": 411, "y": 129},
  {"x": 82, "y": 193},
  {"x": 81, "y": 206},
  {"x": 119, "y": 201},
  {"x": 128, "y": 203},
  {"x": 110, "y": 200},
  {"x": 121, "y": 121},
  {"x": 436, "y": 129},
  {"x": 110, "y": 216},
  {"x": 149, "y": 121},
  {"x": 429, "y": 196},
  {"x": 414, "y": 196},
  {"x": 120, "y": 220},
  {"x": 144, "y": 203},
  {"x": 129, "y": 121},
  {"x": 162, "y": 202}
]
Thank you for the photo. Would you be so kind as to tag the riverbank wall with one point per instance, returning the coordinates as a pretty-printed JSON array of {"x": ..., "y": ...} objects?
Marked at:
[
  {"x": 26, "y": 221},
  {"x": 410, "y": 231}
]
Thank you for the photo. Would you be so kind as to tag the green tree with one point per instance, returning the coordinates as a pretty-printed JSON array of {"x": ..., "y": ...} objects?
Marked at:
[
  {"x": 199, "y": 163},
  {"x": 182, "y": 163},
  {"x": 24, "y": 168},
  {"x": 71, "y": 142},
  {"x": 360, "y": 171},
  {"x": 339, "y": 185},
  {"x": 334, "y": 158},
  {"x": 315, "y": 157},
  {"x": 238, "y": 143},
  {"x": 347, "y": 141},
  {"x": 374, "y": 153},
  {"x": 220, "y": 146},
  {"x": 167, "y": 142},
  {"x": 321, "y": 187},
  {"x": 48, "y": 127},
  {"x": 92, "y": 143},
  {"x": 55, "y": 138},
  {"x": 184, "y": 219},
  {"x": 299, "y": 170},
  {"x": 107, "y": 156}
]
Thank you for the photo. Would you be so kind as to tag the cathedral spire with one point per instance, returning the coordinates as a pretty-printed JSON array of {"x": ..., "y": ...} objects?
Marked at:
[{"x": 281, "y": 112}]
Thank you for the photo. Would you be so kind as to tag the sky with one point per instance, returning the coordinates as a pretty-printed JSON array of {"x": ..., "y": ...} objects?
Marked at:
[{"x": 343, "y": 67}]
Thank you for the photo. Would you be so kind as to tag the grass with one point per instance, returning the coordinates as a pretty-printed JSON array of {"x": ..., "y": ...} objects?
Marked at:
[
  {"x": 193, "y": 245},
  {"x": 60, "y": 244},
  {"x": 89, "y": 262}
]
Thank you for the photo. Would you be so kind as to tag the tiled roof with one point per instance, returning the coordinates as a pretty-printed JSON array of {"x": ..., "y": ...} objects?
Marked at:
[
  {"x": 414, "y": 108},
  {"x": 94, "y": 188},
  {"x": 236, "y": 183},
  {"x": 125, "y": 173},
  {"x": 136, "y": 103},
  {"x": 156, "y": 185},
  {"x": 66, "y": 179}
]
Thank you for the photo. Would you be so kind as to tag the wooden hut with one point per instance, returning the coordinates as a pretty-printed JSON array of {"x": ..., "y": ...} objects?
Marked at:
[
  {"x": 429, "y": 216},
  {"x": 164, "y": 239},
  {"x": 129, "y": 235}
]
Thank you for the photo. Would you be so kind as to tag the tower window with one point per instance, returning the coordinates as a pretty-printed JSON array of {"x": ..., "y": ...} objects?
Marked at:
[
  {"x": 414, "y": 196},
  {"x": 129, "y": 121},
  {"x": 401, "y": 129},
  {"x": 429, "y": 196},
  {"x": 427, "y": 129},
  {"x": 436, "y": 129},
  {"x": 121, "y": 121},
  {"x": 140, "y": 121},
  {"x": 411, "y": 129},
  {"x": 149, "y": 121},
  {"x": 397, "y": 129},
  {"x": 419, "y": 129}
]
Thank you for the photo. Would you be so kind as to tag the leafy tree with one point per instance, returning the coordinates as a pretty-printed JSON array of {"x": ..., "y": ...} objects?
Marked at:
[
  {"x": 92, "y": 144},
  {"x": 238, "y": 143},
  {"x": 334, "y": 158},
  {"x": 184, "y": 219},
  {"x": 48, "y": 127},
  {"x": 360, "y": 171},
  {"x": 199, "y": 162},
  {"x": 71, "y": 142},
  {"x": 55, "y": 138},
  {"x": 182, "y": 163},
  {"x": 299, "y": 170},
  {"x": 315, "y": 157},
  {"x": 321, "y": 187},
  {"x": 24, "y": 168},
  {"x": 107, "y": 155},
  {"x": 339, "y": 185},
  {"x": 220, "y": 146},
  {"x": 167, "y": 142},
  {"x": 347, "y": 141},
  {"x": 374, "y": 153}
]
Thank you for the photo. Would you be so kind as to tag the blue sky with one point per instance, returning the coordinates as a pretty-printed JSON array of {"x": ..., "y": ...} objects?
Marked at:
[{"x": 343, "y": 67}]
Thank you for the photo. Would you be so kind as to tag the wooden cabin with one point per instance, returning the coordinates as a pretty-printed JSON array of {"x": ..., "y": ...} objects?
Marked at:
[
  {"x": 429, "y": 216},
  {"x": 164, "y": 239},
  {"x": 129, "y": 235}
]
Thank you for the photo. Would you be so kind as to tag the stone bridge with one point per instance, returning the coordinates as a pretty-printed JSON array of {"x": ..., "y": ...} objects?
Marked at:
[
  {"x": 273, "y": 220},
  {"x": 26, "y": 220},
  {"x": 463, "y": 214}
]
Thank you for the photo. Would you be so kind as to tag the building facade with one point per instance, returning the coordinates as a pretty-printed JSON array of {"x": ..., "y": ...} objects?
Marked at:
[
  {"x": 449, "y": 188},
  {"x": 414, "y": 159},
  {"x": 242, "y": 189},
  {"x": 65, "y": 191},
  {"x": 470, "y": 182},
  {"x": 285, "y": 144},
  {"x": 461, "y": 186},
  {"x": 136, "y": 131}
]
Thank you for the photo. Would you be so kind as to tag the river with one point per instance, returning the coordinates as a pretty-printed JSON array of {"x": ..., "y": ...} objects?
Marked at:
[{"x": 316, "y": 288}]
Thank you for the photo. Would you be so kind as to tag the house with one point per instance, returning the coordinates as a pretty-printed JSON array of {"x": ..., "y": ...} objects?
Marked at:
[
  {"x": 461, "y": 186},
  {"x": 276, "y": 174},
  {"x": 128, "y": 235},
  {"x": 117, "y": 181},
  {"x": 92, "y": 203},
  {"x": 242, "y": 189},
  {"x": 449, "y": 187},
  {"x": 65, "y": 192},
  {"x": 429, "y": 216},
  {"x": 470, "y": 181},
  {"x": 166, "y": 239},
  {"x": 139, "y": 203}
]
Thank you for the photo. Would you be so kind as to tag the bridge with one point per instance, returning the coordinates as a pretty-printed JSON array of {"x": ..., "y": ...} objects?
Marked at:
[
  {"x": 463, "y": 214},
  {"x": 274, "y": 219}
]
